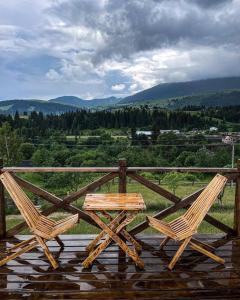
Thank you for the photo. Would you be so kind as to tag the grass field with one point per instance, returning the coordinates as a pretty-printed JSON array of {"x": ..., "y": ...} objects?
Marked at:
[{"x": 154, "y": 203}]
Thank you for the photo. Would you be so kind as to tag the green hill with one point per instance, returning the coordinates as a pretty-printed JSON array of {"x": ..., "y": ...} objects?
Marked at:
[
  {"x": 53, "y": 106},
  {"x": 180, "y": 89},
  {"x": 68, "y": 100},
  {"x": 78, "y": 102},
  {"x": 226, "y": 98},
  {"x": 11, "y": 106}
]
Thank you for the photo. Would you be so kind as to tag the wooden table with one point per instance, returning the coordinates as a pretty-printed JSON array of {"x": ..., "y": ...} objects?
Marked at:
[{"x": 127, "y": 206}]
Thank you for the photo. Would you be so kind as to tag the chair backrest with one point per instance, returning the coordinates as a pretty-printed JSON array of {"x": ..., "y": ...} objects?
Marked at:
[
  {"x": 23, "y": 203},
  {"x": 198, "y": 210}
]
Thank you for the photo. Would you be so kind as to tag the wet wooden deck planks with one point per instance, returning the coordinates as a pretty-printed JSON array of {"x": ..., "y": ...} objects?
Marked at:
[{"x": 113, "y": 276}]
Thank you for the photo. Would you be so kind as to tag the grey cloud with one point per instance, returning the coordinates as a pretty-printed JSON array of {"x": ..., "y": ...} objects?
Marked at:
[
  {"x": 131, "y": 26},
  {"x": 87, "y": 46},
  {"x": 211, "y": 3}
]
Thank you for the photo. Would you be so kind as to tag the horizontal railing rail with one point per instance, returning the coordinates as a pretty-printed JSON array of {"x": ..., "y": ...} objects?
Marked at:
[
  {"x": 122, "y": 172},
  {"x": 59, "y": 169},
  {"x": 183, "y": 170},
  {"x": 116, "y": 169}
]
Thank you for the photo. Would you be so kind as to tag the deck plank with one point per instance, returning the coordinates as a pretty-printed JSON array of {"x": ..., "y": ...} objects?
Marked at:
[{"x": 113, "y": 276}]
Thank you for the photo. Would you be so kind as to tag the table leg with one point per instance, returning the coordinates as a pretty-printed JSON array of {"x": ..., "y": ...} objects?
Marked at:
[
  {"x": 113, "y": 236},
  {"x": 125, "y": 233},
  {"x": 131, "y": 239},
  {"x": 112, "y": 225},
  {"x": 96, "y": 252}
]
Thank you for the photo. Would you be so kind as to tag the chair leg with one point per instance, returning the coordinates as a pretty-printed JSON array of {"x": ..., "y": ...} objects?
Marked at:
[
  {"x": 47, "y": 252},
  {"x": 204, "y": 245},
  {"x": 21, "y": 244},
  {"x": 179, "y": 253},
  {"x": 18, "y": 253},
  {"x": 164, "y": 242},
  {"x": 59, "y": 241},
  {"x": 198, "y": 248}
]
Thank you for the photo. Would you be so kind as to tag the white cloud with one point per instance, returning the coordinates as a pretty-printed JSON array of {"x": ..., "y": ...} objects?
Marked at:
[
  {"x": 169, "y": 65},
  {"x": 133, "y": 87},
  {"x": 53, "y": 75},
  {"x": 118, "y": 87}
]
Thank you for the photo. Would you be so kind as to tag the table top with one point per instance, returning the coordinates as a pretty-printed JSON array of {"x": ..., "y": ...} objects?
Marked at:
[{"x": 116, "y": 201}]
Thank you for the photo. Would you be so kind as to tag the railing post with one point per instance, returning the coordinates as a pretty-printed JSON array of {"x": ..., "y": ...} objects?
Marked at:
[
  {"x": 2, "y": 207},
  {"x": 237, "y": 203},
  {"x": 122, "y": 187}
]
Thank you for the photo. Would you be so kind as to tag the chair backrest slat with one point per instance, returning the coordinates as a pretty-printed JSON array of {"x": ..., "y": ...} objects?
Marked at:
[
  {"x": 23, "y": 203},
  {"x": 198, "y": 210}
]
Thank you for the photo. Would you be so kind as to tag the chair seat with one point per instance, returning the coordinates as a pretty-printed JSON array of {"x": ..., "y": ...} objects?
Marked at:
[
  {"x": 65, "y": 224},
  {"x": 49, "y": 229},
  {"x": 178, "y": 229}
]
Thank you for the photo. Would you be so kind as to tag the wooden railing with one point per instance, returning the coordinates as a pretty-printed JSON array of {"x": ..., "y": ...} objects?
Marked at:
[{"x": 122, "y": 172}]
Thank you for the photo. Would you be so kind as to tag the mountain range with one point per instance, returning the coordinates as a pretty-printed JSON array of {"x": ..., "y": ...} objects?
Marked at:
[
  {"x": 10, "y": 107},
  {"x": 54, "y": 106},
  {"x": 78, "y": 102},
  {"x": 180, "y": 89},
  {"x": 222, "y": 98},
  {"x": 207, "y": 92}
]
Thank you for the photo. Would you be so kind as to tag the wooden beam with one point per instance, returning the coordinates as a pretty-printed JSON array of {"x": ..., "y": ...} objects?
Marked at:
[
  {"x": 51, "y": 198},
  {"x": 168, "y": 211},
  {"x": 237, "y": 204},
  {"x": 60, "y": 169},
  {"x": 2, "y": 207},
  {"x": 66, "y": 201},
  {"x": 154, "y": 187},
  {"x": 115, "y": 169},
  {"x": 122, "y": 188},
  {"x": 225, "y": 228},
  {"x": 89, "y": 188},
  {"x": 183, "y": 169}
]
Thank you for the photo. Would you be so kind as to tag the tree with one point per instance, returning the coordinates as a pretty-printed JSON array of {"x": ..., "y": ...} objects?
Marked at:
[
  {"x": 42, "y": 157},
  {"x": 191, "y": 177},
  {"x": 60, "y": 156},
  {"x": 186, "y": 159},
  {"x": 173, "y": 180},
  {"x": 204, "y": 158},
  {"x": 133, "y": 135},
  {"x": 27, "y": 150},
  {"x": 9, "y": 145},
  {"x": 155, "y": 133}
]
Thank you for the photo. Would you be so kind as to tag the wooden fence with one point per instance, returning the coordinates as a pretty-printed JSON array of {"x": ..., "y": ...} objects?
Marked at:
[{"x": 122, "y": 171}]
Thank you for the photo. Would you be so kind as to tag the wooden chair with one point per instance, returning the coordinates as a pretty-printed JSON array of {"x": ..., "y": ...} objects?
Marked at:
[
  {"x": 183, "y": 228},
  {"x": 43, "y": 228}
]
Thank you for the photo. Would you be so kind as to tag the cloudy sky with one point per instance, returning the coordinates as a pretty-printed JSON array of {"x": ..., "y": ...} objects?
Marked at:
[{"x": 96, "y": 48}]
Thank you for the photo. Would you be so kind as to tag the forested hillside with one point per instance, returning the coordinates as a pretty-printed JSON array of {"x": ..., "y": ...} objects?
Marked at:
[
  {"x": 180, "y": 89},
  {"x": 54, "y": 106},
  {"x": 136, "y": 117},
  {"x": 70, "y": 103},
  {"x": 225, "y": 98}
]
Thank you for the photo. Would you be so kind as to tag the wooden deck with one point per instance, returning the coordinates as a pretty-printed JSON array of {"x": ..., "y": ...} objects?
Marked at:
[{"x": 113, "y": 276}]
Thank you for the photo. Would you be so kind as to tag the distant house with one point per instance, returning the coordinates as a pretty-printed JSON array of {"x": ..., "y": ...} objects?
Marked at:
[
  {"x": 213, "y": 129},
  {"x": 173, "y": 131},
  {"x": 149, "y": 133}
]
